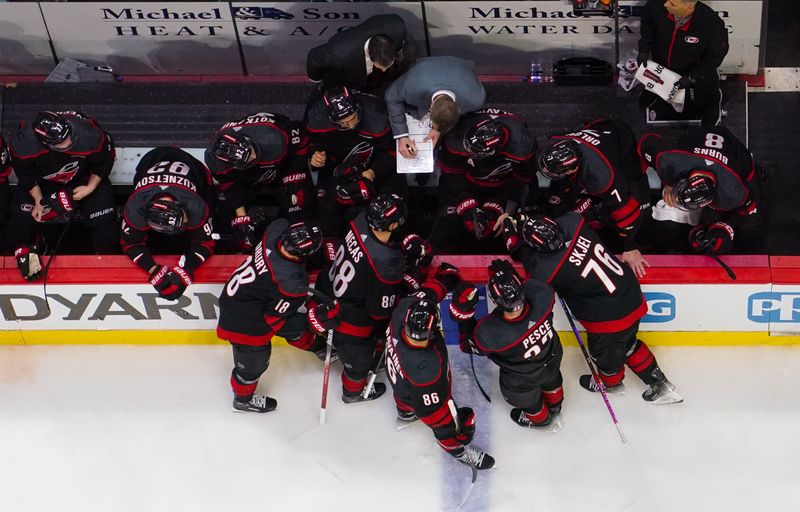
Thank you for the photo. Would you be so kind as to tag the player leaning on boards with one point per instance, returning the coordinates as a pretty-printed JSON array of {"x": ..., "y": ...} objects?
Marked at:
[
  {"x": 171, "y": 195},
  {"x": 419, "y": 372},
  {"x": 601, "y": 291},
  {"x": 260, "y": 300}
]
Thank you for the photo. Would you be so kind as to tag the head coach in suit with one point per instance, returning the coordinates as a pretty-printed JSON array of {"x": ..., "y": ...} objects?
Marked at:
[
  {"x": 359, "y": 56},
  {"x": 444, "y": 86}
]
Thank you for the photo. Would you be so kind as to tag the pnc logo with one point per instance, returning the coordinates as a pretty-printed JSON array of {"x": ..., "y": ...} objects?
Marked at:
[
  {"x": 766, "y": 307},
  {"x": 660, "y": 307}
]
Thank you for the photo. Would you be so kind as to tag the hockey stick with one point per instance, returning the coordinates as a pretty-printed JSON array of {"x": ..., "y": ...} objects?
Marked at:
[
  {"x": 53, "y": 255},
  {"x": 596, "y": 378},
  {"x": 728, "y": 270},
  {"x": 325, "y": 376},
  {"x": 478, "y": 382},
  {"x": 452, "y": 406},
  {"x": 373, "y": 374}
]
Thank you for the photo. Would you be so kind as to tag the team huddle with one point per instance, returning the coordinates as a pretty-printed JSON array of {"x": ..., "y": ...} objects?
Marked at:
[{"x": 342, "y": 210}]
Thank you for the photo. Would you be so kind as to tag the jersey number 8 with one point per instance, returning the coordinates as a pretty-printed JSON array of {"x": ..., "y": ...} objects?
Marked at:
[
  {"x": 243, "y": 275},
  {"x": 341, "y": 273}
]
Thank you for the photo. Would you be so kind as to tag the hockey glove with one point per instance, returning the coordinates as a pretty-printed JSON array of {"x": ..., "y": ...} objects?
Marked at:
[
  {"x": 355, "y": 162},
  {"x": 467, "y": 345},
  {"x": 355, "y": 192},
  {"x": 685, "y": 82},
  {"x": 448, "y": 276},
  {"x": 61, "y": 206},
  {"x": 170, "y": 283},
  {"x": 245, "y": 231},
  {"x": 294, "y": 189},
  {"x": 466, "y": 210},
  {"x": 511, "y": 234},
  {"x": 323, "y": 317},
  {"x": 417, "y": 250},
  {"x": 465, "y": 300},
  {"x": 714, "y": 239},
  {"x": 28, "y": 263}
]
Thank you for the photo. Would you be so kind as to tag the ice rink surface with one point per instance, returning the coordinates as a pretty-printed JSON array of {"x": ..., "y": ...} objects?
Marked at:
[{"x": 150, "y": 428}]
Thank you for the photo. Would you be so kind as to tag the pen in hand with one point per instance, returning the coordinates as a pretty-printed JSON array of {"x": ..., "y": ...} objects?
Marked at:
[{"x": 411, "y": 150}]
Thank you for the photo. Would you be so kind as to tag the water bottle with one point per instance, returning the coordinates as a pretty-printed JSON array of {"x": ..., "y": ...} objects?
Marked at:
[{"x": 536, "y": 73}]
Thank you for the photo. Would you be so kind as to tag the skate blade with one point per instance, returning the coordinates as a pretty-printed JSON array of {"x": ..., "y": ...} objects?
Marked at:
[
  {"x": 402, "y": 424},
  {"x": 670, "y": 397}
]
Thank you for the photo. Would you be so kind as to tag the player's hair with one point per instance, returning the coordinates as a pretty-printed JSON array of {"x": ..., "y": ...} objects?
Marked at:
[
  {"x": 444, "y": 113},
  {"x": 381, "y": 50}
]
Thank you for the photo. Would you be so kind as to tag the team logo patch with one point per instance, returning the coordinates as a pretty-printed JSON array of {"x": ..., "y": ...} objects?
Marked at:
[
  {"x": 691, "y": 39},
  {"x": 554, "y": 200},
  {"x": 65, "y": 174}
]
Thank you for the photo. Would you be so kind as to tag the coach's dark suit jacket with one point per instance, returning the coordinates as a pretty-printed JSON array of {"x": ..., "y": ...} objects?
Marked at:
[
  {"x": 341, "y": 60},
  {"x": 412, "y": 92}
]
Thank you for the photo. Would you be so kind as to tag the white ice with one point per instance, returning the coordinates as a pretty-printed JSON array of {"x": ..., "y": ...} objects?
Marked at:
[{"x": 143, "y": 428}]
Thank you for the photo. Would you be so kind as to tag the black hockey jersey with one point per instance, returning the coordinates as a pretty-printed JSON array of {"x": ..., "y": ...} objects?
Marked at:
[
  {"x": 519, "y": 345},
  {"x": 602, "y": 292},
  {"x": 372, "y": 128},
  {"x": 262, "y": 293},
  {"x": 5, "y": 162},
  {"x": 281, "y": 146},
  {"x": 511, "y": 169},
  {"x": 168, "y": 170},
  {"x": 711, "y": 149},
  {"x": 365, "y": 277},
  {"x": 608, "y": 166},
  {"x": 92, "y": 153}
]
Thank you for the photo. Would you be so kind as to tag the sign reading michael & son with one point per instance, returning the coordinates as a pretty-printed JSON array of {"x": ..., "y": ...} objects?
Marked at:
[{"x": 180, "y": 38}]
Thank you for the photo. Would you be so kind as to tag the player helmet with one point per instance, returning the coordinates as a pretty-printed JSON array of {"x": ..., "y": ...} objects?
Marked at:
[
  {"x": 483, "y": 138},
  {"x": 696, "y": 190},
  {"x": 560, "y": 159},
  {"x": 165, "y": 215},
  {"x": 505, "y": 290},
  {"x": 235, "y": 149},
  {"x": 421, "y": 319},
  {"x": 301, "y": 239},
  {"x": 543, "y": 234},
  {"x": 385, "y": 210},
  {"x": 340, "y": 104},
  {"x": 51, "y": 128}
]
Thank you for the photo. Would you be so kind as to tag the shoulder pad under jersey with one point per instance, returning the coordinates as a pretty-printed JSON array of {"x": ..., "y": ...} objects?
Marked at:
[{"x": 387, "y": 263}]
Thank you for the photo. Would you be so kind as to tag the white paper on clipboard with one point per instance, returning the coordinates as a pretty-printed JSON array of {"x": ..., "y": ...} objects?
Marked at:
[{"x": 418, "y": 129}]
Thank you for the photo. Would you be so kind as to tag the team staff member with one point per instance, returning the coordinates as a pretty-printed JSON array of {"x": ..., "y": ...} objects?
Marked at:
[
  {"x": 689, "y": 38},
  {"x": 62, "y": 160}
]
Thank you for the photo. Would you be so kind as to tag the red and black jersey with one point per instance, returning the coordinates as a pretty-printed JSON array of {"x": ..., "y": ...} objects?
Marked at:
[
  {"x": 5, "y": 162},
  {"x": 420, "y": 376},
  {"x": 262, "y": 293},
  {"x": 609, "y": 164},
  {"x": 521, "y": 344},
  {"x": 602, "y": 292},
  {"x": 695, "y": 48},
  {"x": 35, "y": 164},
  {"x": 281, "y": 146},
  {"x": 714, "y": 150},
  {"x": 373, "y": 128},
  {"x": 365, "y": 277},
  {"x": 512, "y": 169},
  {"x": 172, "y": 171}
]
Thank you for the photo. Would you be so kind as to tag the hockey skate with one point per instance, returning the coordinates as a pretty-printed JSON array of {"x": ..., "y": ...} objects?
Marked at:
[
  {"x": 377, "y": 390},
  {"x": 256, "y": 403},
  {"x": 553, "y": 423},
  {"x": 662, "y": 393},
  {"x": 588, "y": 383},
  {"x": 406, "y": 416},
  {"x": 475, "y": 458}
]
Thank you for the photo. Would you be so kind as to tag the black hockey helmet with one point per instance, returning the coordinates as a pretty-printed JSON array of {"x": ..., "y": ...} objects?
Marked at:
[
  {"x": 696, "y": 190},
  {"x": 385, "y": 210},
  {"x": 340, "y": 104},
  {"x": 51, "y": 128},
  {"x": 165, "y": 215},
  {"x": 560, "y": 159},
  {"x": 301, "y": 239},
  {"x": 235, "y": 149},
  {"x": 421, "y": 319},
  {"x": 484, "y": 137},
  {"x": 543, "y": 234},
  {"x": 505, "y": 290}
]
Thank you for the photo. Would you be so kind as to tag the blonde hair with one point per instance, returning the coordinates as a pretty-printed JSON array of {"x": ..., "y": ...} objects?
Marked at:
[{"x": 444, "y": 113}]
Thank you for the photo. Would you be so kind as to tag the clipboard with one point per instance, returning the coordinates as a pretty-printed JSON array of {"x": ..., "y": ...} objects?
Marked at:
[{"x": 418, "y": 129}]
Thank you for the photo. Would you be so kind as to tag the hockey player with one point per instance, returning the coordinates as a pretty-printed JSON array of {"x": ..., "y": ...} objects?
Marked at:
[
  {"x": 260, "y": 300},
  {"x": 711, "y": 167},
  {"x": 488, "y": 172},
  {"x": 171, "y": 195},
  {"x": 602, "y": 293},
  {"x": 518, "y": 336},
  {"x": 246, "y": 156},
  {"x": 352, "y": 149},
  {"x": 62, "y": 160},
  {"x": 418, "y": 369},
  {"x": 364, "y": 279},
  {"x": 597, "y": 167},
  {"x": 5, "y": 171}
]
